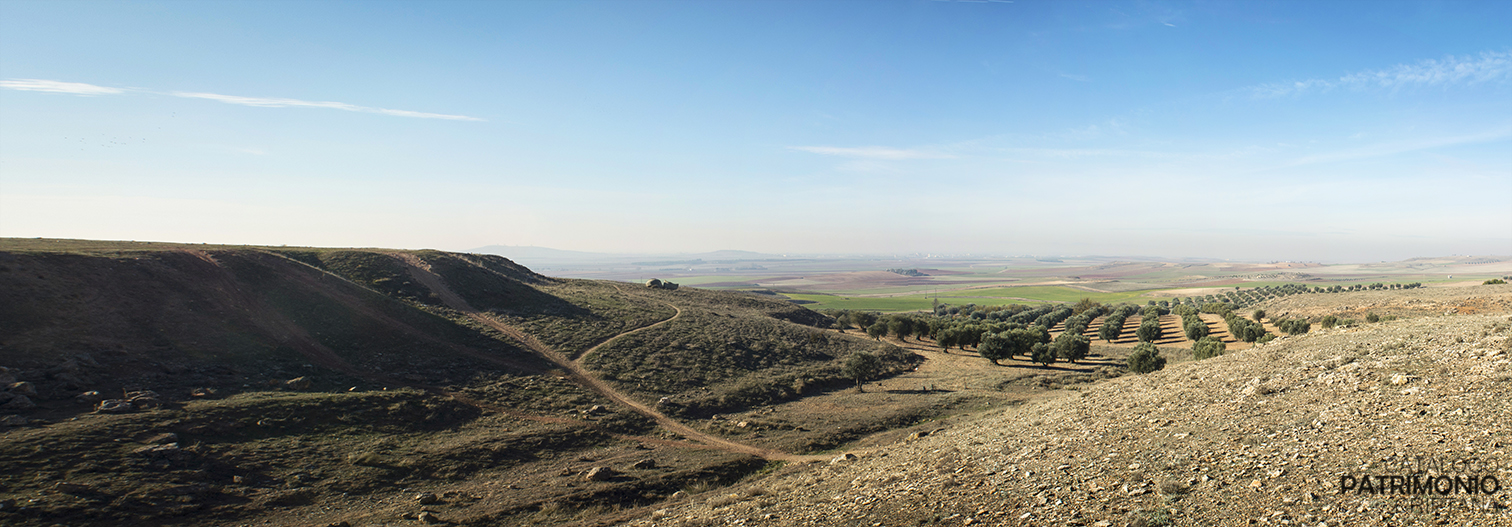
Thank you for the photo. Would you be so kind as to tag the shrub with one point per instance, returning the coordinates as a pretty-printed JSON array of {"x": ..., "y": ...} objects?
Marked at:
[
  {"x": 1207, "y": 347},
  {"x": 1494, "y": 281},
  {"x": 1245, "y": 330},
  {"x": 1267, "y": 338},
  {"x": 1329, "y": 321},
  {"x": 1372, "y": 318},
  {"x": 1146, "y": 358},
  {"x": 1292, "y": 326},
  {"x": 1259, "y": 315}
]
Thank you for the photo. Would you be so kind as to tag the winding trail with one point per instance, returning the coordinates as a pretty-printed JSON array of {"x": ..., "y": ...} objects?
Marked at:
[
  {"x": 584, "y": 355},
  {"x": 422, "y": 273}
]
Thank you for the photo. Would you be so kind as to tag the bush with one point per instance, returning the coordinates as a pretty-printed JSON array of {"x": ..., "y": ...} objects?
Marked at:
[
  {"x": 1207, "y": 347},
  {"x": 1329, "y": 322},
  {"x": 1372, "y": 318},
  {"x": 1494, "y": 281},
  {"x": 1267, "y": 338},
  {"x": 1295, "y": 326},
  {"x": 1245, "y": 330},
  {"x": 1146, "y": 358},
  {"x": 1259, "y": 315}
]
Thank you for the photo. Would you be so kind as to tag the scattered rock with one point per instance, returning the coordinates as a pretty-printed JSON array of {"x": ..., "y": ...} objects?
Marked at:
[
  {"x": 298, "y": 383},
  {"x": 73, "y": 488},
  {"x": 144, "y": 399},
  {"x": 115, "y": 406},
  {"x": 13, "y": 420},
  {"x": 599, "y": 474},
  {"x": 644, "y": 464},
  {"x": 162, "y": 439},
  {"x": 427, "y": 498},
  {"x": 89, "y": 397},
  {"x": 429, "y": 517},
  {"x": 202, "y": 392},
  {"x": 22, "y": 388},
  {"x": 842, "y": 458}
]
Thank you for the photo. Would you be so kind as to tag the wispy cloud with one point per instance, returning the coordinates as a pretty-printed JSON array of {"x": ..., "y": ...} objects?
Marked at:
[
  {"x": 74, "y": 88},
  {"x": 270, "y": 102},
  {"x": 1486, "y": 67},
  {"x": 873, "y": 152},
  {"x": 1403, "y": 146},
  {"x": 78, "y": 88}
]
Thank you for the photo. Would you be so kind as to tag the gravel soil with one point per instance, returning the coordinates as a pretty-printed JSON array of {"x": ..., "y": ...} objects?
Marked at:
[{"x": 1280, "y": 434}]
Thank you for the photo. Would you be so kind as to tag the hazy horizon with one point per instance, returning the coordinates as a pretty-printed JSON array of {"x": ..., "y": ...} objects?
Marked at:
[{"x": 1329, "y": 132}]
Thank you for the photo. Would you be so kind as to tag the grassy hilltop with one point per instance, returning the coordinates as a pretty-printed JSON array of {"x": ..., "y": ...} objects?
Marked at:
[{"x": 264, "y": 379}]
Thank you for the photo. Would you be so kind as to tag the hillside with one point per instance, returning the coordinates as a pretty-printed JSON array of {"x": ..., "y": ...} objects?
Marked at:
[
  {"x": 182, "y": 384},
  {"x": 1264, "y": 436}
]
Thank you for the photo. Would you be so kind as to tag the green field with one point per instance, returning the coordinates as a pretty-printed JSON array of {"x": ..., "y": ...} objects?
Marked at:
[
  {"x": 1048, "y": 293},
  {"x": 984, "y": 297}
]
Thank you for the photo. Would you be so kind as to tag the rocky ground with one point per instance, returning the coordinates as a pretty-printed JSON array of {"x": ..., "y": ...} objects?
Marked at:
[{"x": 1280, "y": 434}]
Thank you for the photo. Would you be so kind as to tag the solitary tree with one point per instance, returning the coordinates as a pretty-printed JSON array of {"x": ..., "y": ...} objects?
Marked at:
[
  {"x": 1146, "y": 358},
  {"x": 877, "y": 330},
  {"x": 1259, "y": 314},
  {"x": 861, "y": 366}
]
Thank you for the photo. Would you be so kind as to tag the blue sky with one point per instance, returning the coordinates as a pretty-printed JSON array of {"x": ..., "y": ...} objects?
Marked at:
[{"x": 1332, "y": 131}]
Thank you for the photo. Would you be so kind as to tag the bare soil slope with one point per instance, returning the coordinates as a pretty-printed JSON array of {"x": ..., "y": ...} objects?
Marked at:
[
  {"x": 1280, "y": 434},
  {"x": 292, "y": 386}
]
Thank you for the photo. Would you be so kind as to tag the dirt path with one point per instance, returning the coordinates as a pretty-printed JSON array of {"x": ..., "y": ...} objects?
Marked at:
[
  {"x": 584, "y": 354},
  {"x": 421, "y": 272}
]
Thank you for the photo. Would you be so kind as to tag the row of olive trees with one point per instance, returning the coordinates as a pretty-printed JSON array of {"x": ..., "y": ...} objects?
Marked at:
[
  {"x": 1244, "y": 329},
  {"x": 1112, "y": 326}
]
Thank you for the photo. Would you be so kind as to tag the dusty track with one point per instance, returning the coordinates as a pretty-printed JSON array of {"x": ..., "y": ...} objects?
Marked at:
[
  {"x": 422, "y": 273},
  {"x": 584, "y": 355}
]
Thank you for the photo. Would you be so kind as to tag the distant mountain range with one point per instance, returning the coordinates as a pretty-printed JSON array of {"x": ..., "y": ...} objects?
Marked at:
[{"x": 527, "y": 254}]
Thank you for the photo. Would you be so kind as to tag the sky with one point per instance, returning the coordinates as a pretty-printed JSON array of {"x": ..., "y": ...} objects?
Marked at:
[{"x": 1344, "y": 131}]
